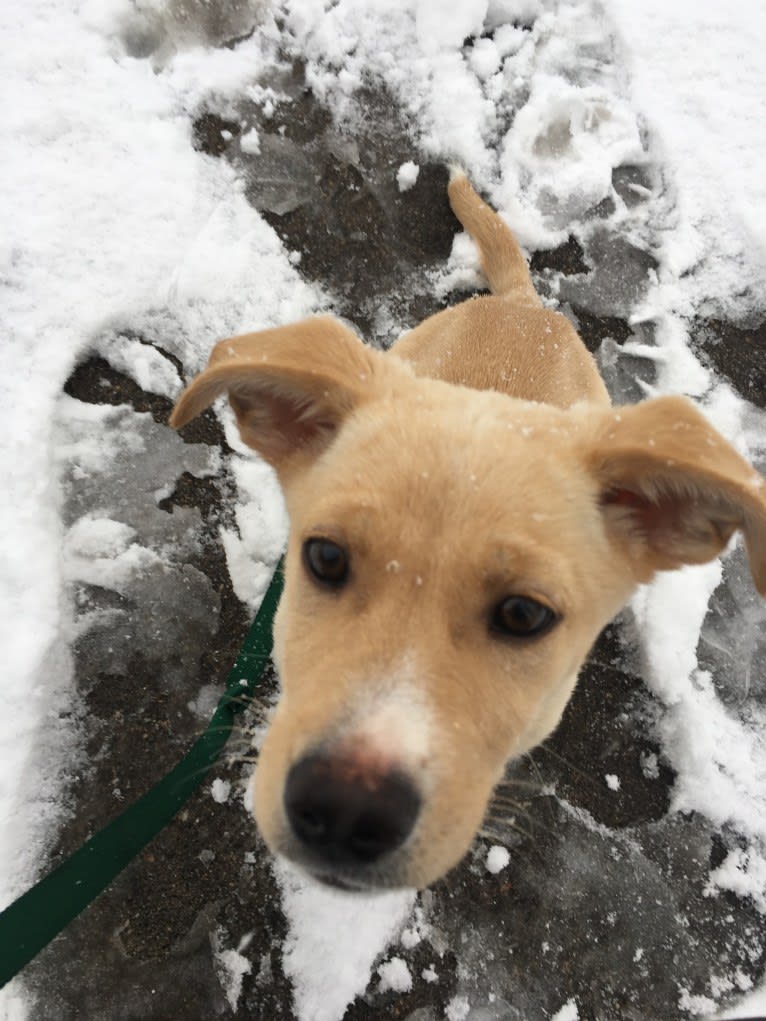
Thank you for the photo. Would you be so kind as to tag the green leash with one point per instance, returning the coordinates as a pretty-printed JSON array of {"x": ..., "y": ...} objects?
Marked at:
[{"x": 32, "y": 921}]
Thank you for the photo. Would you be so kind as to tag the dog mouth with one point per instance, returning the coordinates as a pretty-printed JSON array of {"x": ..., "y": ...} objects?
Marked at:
[
  {"x": 338, "y": 883},
  {"x": 342, "y": 880}
]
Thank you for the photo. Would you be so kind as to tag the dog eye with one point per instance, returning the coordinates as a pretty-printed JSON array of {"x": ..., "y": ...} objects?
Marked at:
[
  {"x": 522, "y": 617},
  {"x": 326, "y": 561}
]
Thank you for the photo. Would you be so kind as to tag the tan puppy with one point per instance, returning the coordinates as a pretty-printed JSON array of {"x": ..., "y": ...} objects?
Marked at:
[{"x": 467, "y": 512}]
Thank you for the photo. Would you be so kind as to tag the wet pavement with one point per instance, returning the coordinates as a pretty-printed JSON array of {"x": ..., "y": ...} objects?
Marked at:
[{"x": 605, "y": 897}]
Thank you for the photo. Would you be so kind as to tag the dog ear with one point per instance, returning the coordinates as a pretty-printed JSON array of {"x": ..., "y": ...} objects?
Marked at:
[
  {"x": 673, "y": 491},
  {"x": 290, "y": 387}
]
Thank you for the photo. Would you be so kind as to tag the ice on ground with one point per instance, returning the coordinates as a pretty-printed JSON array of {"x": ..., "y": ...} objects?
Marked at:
[
  {"x": 623, "y": 274},
  {"x": 623, "y": 887}
]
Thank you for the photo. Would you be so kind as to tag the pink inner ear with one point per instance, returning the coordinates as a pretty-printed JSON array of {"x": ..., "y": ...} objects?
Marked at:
[
  {"x": 624, "y": 498},
  {"x": 652, "y": 516},
  {"x": 290, "y": 419},
  {"x": 674, "y": 528},
  {"x": 279, "y": 424}
]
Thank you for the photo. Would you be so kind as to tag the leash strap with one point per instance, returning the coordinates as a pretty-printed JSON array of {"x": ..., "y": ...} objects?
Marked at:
[{"x": 40, "y": 914}]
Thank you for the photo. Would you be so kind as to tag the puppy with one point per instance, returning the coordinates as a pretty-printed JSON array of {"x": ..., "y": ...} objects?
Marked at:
[{"x": 467, "y": 512}]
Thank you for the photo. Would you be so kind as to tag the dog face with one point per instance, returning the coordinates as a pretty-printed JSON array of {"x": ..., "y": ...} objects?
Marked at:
[
  {"x": 437, "y": 608},
  {"x": 453, "y": 555}
]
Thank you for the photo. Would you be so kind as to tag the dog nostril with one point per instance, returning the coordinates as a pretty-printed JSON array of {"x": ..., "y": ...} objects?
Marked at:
[
  {"x": 309, "y": 824},
  {"x": 346, "y": 816},
  {"x": 370, "y": 838}
]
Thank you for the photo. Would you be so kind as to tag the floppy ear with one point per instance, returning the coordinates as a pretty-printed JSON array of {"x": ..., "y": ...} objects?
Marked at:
[
  {"x": 673, "y": 491},
  {"x": 290, "y": 387}
]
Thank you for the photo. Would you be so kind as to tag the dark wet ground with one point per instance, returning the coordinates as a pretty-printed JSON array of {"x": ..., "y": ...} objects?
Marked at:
[{"x": 603, "y": 900}]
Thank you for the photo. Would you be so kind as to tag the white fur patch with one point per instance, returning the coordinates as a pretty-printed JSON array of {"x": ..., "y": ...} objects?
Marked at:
[{"x": 397, "y": 721}]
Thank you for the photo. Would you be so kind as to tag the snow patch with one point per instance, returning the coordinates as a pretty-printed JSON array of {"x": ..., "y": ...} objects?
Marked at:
[
  {"x": 362, "y": 928},
  {"x": 742, "y": 872},
  {"x": 457, "y": 1009},
  {"x": 497, "y": 859},
  {"x": 231, "y": 967},
  {"x": 568, "y": 1012},
  {"x": 395, "y": 976},
  {"x": 560, "y": 153},
  {"x": 255, "y": 547},
  {"x": 250, "y": 142},
  {"x": 220, "y": 790},
  {"x": 407, "y": 175}
]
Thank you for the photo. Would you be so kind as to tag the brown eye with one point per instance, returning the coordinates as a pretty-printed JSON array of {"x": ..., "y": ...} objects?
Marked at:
[
  {"x": 326, "y": 561},
  {"x": 521, "y": 617}
]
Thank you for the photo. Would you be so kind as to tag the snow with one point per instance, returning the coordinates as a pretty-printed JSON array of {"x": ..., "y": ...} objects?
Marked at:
[
  {"x": 231, "y": 967},
  {"x": 744, "y": 873},
  {"x": 151, "y": 370},
  {"x": 568, "y": 1012},
  {"x": 751, "y": 1006},
  {"x": 111, "y": 215},
  {"x": 362, "y": 927},
  {"x": 696, "y": 1005},
  {"x": 497, "y": 859},
  {"x": 457, "y": 1009},
  {"x": 407, "y": 175},
  {"x": 410, "y": 938},
  {"x": 254, "y": 547},
  {"x": 99, "y": 551},
  {"x": 220, "y": 791},
  {"x": 650, "y": 765},
  {"x": 395, "y": 975},
  {"x": 698, "y": 77},
  {"x": 565, "y": 142},
  {"x": 612, "y": 781},
  {"x": 81, "y": 162},
  {"x": 250, "y": 143}
]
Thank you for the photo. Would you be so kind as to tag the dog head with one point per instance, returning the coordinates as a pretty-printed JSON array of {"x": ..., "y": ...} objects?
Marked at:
[{"x": 453, "y": 555}]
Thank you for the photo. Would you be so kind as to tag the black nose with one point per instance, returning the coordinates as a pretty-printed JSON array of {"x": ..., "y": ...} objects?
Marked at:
[{"x": 346, "y": 813}]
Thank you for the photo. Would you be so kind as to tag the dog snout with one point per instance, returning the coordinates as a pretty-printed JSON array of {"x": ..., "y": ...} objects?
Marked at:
[{"x": 348, "y": 813}]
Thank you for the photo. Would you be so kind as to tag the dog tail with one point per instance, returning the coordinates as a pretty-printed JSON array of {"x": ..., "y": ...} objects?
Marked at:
[{"x": 502, "y": 260}]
